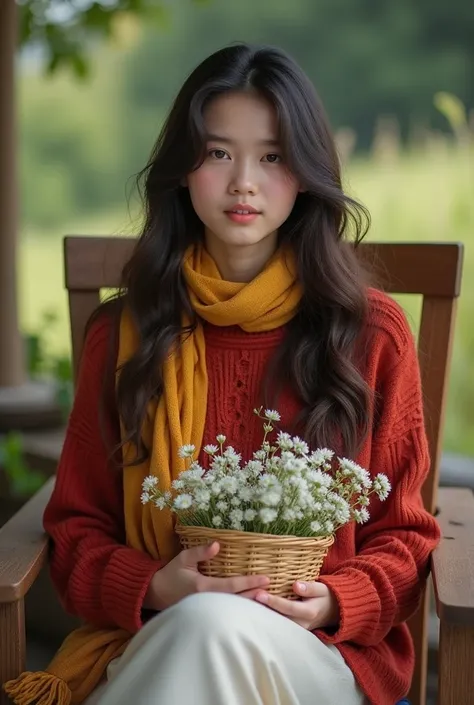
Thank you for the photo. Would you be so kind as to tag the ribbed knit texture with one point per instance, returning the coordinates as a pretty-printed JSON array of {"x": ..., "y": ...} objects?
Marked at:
[{"x": 376, "y": 570}]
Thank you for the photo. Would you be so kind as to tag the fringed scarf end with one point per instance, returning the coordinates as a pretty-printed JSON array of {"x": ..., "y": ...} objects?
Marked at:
[{"x": 38, "y": 688}]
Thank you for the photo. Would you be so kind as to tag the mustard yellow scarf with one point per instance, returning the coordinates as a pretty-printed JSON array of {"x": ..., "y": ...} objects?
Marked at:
[{"x": 267, "y": 302}]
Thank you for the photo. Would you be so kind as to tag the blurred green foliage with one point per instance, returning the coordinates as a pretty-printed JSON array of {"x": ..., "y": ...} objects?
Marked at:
[
  {"x": 87, "y": 140},
  {"x": 21, "y": 480},
  {"x": 43, "y": 361},
  {"x": 66, "y": 29}
]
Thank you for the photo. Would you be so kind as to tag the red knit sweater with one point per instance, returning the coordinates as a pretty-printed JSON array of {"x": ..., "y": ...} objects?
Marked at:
[{"x": 375, "y": 570}]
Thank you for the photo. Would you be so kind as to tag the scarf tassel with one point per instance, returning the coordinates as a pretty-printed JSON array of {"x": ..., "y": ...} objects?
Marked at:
[{"x": 39, "y": 688}]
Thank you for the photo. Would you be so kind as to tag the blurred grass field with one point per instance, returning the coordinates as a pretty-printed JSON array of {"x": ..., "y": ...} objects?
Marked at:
[{"x": 425, "y": 194}]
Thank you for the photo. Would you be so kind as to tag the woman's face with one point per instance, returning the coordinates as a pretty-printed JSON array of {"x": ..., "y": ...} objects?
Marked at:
[{"x": 243, "y": 191}]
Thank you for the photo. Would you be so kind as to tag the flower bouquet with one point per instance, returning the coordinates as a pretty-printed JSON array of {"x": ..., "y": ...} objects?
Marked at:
[{"x": 274, "y": 515}]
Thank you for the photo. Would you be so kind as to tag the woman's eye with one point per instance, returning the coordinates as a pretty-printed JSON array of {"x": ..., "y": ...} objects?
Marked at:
[
  {"x": 273, "y": 158},
  {"x": 218, "y": 153}
]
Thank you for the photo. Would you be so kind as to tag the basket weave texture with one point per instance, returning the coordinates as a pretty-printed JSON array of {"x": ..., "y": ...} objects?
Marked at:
[{"x": 284, "y": 559}]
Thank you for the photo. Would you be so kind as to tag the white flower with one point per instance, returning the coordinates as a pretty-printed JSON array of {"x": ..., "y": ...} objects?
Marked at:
[
  {"x": 300, "y": 447},
  {"x": 319, "y": 478},
  {"x": 215, "y": 487},
  {"x": 350, "y": 469},
  {"x": 315, "y": 527},
  {"x": 269, "y": 482},
  {"x": 183, "y": 501},
  {"x": 236, "y": 516},
  {"x": 250, "y": 514},
  {"x": 145, "y": 497},
  {"x": 187, "y": 451},
  {"x": 289, "y": 514},
  {"x": 177, "y": 484},
  {"x": 284, "y": 440},
  {"x": 364, "y": 500},
  {"x": 149, "y": 483},
  {"x": 221, "y": 439},
  {"x": 342, "y": 512},
  {"x": 361, "y": 515},
  {"x": 211, "y": 449},
  {"x": 195, "y": 472},
  {"x": 217, "y": 520},
  {"x": 235, "y": 501},
  {"x": 260, "y": 455},
  {"x": 222, "y": 506},
  {"x": 272, "y": 415},
  {"x": 246, "y": 493},
  {"x": 294, "y": 464},
  {"x": 229, "y": 484},
  {"x": 219, "y": 463},
  {"x": 382, "y": 486},
  {"x": 271, "y": 498},
  {"x": 329, "y": 527},
  {"x": 254, "y": 467},
  {"x": 273, "y": 465},
  {"x": 160, "y": 502},
  {"x": 321, "y": 456},
  {"x": 232, "y": 456},
  {"x": 267, "y": 515},
  {"x": 202, "y": 496}
]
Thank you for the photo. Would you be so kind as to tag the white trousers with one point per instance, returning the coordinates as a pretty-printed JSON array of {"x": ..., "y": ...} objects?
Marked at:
[{"x": 219, "y": 649}]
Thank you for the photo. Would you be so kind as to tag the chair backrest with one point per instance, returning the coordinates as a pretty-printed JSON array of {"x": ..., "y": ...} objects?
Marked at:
[{"x": 430, "y": 270}]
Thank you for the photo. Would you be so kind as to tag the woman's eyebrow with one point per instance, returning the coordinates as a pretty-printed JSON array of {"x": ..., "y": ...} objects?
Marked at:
[{"x": 228, "y": 140}]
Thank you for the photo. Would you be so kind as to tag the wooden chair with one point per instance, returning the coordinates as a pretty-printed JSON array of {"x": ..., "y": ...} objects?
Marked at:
[{"x": 432, "y": 270}]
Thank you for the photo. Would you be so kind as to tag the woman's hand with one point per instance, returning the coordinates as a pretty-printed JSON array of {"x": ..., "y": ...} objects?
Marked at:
[
  {"x": 181, "y": 577},
  {"x": 318, "y": 607}
]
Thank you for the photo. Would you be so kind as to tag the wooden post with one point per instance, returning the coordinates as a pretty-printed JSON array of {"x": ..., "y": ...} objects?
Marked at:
[
  {"x": 12, "y": 364},
  {"x": 23, "y": 403}
]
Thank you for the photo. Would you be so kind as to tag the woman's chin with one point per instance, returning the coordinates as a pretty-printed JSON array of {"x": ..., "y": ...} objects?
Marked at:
[{"x": 241, "y": 237}]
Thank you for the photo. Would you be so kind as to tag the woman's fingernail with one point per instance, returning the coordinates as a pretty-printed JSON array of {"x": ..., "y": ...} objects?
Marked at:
[{"x": 301, "y": 586}]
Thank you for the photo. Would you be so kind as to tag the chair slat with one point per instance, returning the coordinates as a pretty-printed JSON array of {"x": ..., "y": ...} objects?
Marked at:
[
  {"x": 434, "y": 351},
  {"x": 82, "y": 304}
]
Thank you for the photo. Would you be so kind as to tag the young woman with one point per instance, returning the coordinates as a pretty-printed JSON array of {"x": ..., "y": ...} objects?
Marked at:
[{"x": 242, "y": 290}]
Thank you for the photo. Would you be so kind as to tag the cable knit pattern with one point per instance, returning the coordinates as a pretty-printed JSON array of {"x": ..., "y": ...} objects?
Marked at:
[{"x": 376, "y": 570}]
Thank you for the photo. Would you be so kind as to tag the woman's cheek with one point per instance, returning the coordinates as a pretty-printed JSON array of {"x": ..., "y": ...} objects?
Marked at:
[
  {"x": 205, "y": 181},
  {"x": 284, "y": 188}
]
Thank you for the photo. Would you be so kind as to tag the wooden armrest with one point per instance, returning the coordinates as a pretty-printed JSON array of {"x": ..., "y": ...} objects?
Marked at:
[
  {"x": 23, "y": 547},
  {"x": 453, "y": 559}
]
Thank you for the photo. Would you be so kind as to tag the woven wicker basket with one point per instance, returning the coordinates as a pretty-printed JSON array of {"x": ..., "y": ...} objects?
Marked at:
[{"x": 283, "y": 559}]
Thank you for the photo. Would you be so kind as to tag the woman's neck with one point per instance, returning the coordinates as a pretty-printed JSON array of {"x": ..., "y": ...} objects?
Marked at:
[{"x": 241, "y": 263}]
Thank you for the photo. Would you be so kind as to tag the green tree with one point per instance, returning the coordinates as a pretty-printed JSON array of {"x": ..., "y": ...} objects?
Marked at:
[{"x": 66, "y": 28}]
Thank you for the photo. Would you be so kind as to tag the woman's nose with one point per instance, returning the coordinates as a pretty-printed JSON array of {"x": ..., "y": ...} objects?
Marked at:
[{"x": 243, "y": 181}]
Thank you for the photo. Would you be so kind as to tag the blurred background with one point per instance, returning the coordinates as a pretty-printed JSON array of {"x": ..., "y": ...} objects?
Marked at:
[{"x": 397, "y": 80}]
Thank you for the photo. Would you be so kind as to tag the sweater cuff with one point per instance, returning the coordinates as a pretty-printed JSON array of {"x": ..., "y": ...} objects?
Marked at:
[
  {"x": 359, "y": 606},
  {"x": 125, "y": 583}
]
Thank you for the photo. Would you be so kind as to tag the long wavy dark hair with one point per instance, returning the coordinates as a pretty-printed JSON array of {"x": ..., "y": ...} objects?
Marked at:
[{"x": 319, "y": 355}]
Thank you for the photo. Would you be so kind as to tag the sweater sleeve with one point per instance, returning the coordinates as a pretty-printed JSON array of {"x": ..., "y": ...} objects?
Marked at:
[
  {"x": 98, "y": 577},
  {"x": 382, "y": 585}
]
